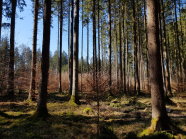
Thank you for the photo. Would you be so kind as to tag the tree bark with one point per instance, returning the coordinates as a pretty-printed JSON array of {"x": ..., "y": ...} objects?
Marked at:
[
  {"x": 60, "y": 45},
  {"x": 71, "y": 48},
  {"x": 31, "y": 95},
  {"x": 88, "y": 45},
  {"x": 94, "y": 44},
  {"x": 110, "y": 47},
  {"x": 10, "y": 87},
  {"x": 74, "y": 96},
  {"x": 160, "y": 120},
  {"x": 120, "y": 52},
  {"x": 1, "y": 13},
  {"x": 42, "y": 100},
  {"x": 169, "y": 90},
  {"x": 146, "y": 45}
]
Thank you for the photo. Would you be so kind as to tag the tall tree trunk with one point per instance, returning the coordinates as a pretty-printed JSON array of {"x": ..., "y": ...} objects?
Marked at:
[
  {"x": 116, "y": 56},
  {"x": 99, "y": 54},
  {"x": 160, "y": 120},
  {"x": 88, "y": 45},
  {"x": 146, "y": 39},
  {"x": 60, "y": 44},
  {"x": 136, "y": 75},
  {"x": 71, "y": 48},
  {"x": 120, "y": 52},
  {"x": 169, "y": 91},
  {"x": 94, "y": 44},
  {"x": 125, "y": 56},
  {"x": 162, "y": 49},
  {"x": 82, "y": 47},
  {"x": 1, "y": 13},
  {"x": 31, "y": 95},
  {"x": 110, "y": 47},
  {"x": 10, "y": 87},
  {"x": 138, "y": 51},
  {"x": 178, "y": 45},
  {"x": 74, "y": 96},
  {"x": 42, "y": 100}
]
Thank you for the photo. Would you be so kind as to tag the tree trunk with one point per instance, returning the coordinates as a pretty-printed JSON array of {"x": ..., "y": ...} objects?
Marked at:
[
  {"x": 160, "y": 120},
  {"x": 94, "y": 44},
  {"x": 42, "y": 100},
  {"x": 99, "y": 54},
  {"x": 120, "y": 53},
  {"x": 71, "y": 49},
  {"x": 136, "y": 86},
  {"x": 1, "y": 13},
  {"x": 178, "y": 45},
  {"x": 110, "y": 47},
  {"x": 169, "y": 91},
  {"x": 125, "y": 45},
  {"x": 60, "y": 44},
  {"x": 74, "y": 96},
  {"x": 88, "y": 45},
  {"x": 146, "y": 38},
  {"x": 10, "y": 87},
  {"x": 31, "y": 95}
]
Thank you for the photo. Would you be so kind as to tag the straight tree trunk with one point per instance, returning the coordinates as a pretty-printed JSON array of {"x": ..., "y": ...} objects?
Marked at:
[
  {"x": 160, "y": 120},
  {"x": 82, "y": 47},
  {"x": 74, "y": 96},
  {"x": 169, "y": 91},
  {"x": 99, "y": 54},
  {"x": 178, "y": 47},
  {"x": 162, "y": 49},
  {"x": 1, "y": 13},
  {"x": 60, "y": 44},
  {"x": 94, "y": 44},
  {"x": 110, "y": 47},
  {"x": 31, "y": 95},
  {"x": 146, "y": 45},
  {"x": 10, "y": 87},
  {"x": 136, "y": 75},
  {"x": 138, "y": 53},
  {"x": 71, "y": 48},
  {"x": 42, "y": 100},
  {"x": 120, "y": 53},
  {"x": 88, "y": 45}
]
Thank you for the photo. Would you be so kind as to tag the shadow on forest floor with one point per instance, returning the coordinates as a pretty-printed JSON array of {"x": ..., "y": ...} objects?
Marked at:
[{"x": 120, "y": 117}]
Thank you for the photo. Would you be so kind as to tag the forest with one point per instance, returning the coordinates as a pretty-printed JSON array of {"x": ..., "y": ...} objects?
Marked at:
[{"x": 117, "y": 69}]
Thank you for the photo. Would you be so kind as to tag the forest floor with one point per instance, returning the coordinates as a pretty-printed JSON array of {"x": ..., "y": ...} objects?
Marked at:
[{"x": 120, "y": 117}]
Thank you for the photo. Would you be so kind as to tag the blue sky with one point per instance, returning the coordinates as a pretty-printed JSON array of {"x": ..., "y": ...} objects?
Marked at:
[{"x": 24, "y": 27}]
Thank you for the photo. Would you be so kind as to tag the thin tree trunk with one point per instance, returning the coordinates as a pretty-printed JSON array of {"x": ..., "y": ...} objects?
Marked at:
[
  {"x": 167, "y": 51},
  {"x": 110, "y": 47},
  {"x": 82, "y": 47},
  {"x": 94, "y": 43},
  {"x": 88, "y": 45},
  {"x": 71, "y": 48},
  {"x": 162, "y": 50},
  {"x": 136, "y": 75},
  {"x": 31, "y": 95},
  {"x": 10, "y": 87},
  {"x": 120, "y": 53},
  {"x": 138, "y": 53},
  {"x": 99, "y": 54},
  {"x": 42, "y": 100},
  {"x": 146, "y": 38},
  {"x": 1, "y": 13},
  {"x": 178, "y": 45},
  {"x": 60, "y": 44},
  {"x": 74, "y": 96}
]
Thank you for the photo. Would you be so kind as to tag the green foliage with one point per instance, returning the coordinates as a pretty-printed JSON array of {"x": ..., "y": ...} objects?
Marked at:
[{"x": 88, "y": 110}]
